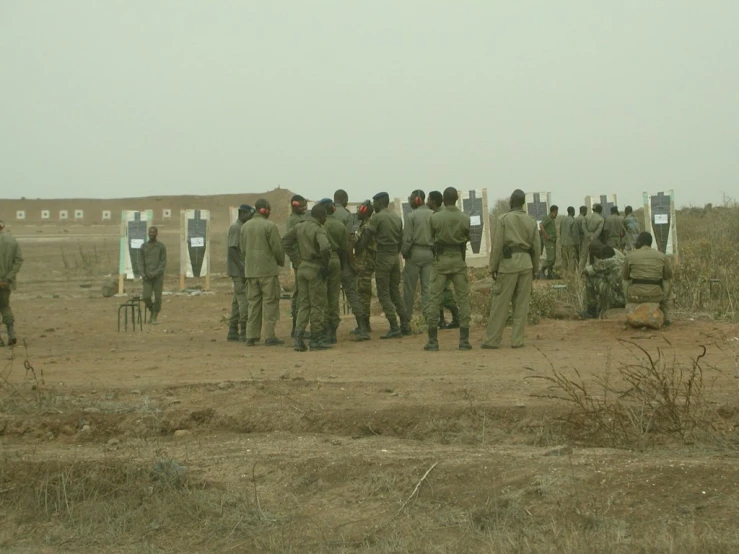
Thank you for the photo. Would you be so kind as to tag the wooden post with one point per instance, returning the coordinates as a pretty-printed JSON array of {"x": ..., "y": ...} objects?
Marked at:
[
  {"x": 207, "y": 251},
  {"x": 183, "y": 247}
]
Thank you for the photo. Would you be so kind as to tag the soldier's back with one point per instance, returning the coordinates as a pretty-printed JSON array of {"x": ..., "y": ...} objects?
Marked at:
[{"x": 336, "y": 232}]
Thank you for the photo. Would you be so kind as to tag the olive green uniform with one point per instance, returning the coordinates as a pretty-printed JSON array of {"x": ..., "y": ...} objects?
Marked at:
[
  {"x": 592, "y": 228},
  {"x": 152, "y": 262},
  {"x": 348, "y": 273},
  {"x": 648, "y": 274},
  {"x": 309, "y": 249},
  {"x": 263, "y": 254},
  {"x": 387, "y": 229},
  {"x": 235, "y": 269},
  {"x": 631, "y": 231},
  {"x": 613, "y": 228},
  {"x": 550, "y": 226},
  {"x": 515, "y": 259},
  {"x": 570, "y": 242},
  {"x": 365, "y": 253},
  {"x": 450, "y": 231},
  {"x": 582, "y": 249},
  {"x": 419, "y": 257},
  {"x": 337, "y": 238},
  {"x": 11, "y": 260},
  {"x": 292, "y": 220}
]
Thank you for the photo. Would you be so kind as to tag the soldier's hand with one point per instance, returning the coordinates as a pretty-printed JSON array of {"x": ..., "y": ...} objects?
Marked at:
[{"x": 495, "y": 275}]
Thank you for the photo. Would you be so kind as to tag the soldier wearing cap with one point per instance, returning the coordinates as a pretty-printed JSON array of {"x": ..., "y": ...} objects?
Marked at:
[
  {"x": 387, "y": 229},
  {"x": 235, "y": 269},
  {"x": 298, "y": 206},
  {"x": 648, "y": 274},
  {"x": 417, "y": 252}
]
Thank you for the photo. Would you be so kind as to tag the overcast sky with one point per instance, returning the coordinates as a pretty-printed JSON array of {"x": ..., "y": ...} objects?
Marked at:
[{"x": 104, "y": 98}]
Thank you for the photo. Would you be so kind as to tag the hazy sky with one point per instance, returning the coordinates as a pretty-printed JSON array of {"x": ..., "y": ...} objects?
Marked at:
[{"x": 104, "y": 98}]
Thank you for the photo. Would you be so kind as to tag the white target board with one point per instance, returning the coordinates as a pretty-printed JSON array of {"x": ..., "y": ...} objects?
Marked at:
[
  {"x": 166, "y": 213},
  {"x": 79, "y": 215},
  {"x": 63, "y": 214},
  {"x": 605, "y": 200},
  {"x": 660, "y": 221},
  {"x": 537, "y": 205},
  {"x": 233, "y": 214},
  {"x": 194, "y": 244},
  {"x": 45, "y": 214},
  {"x": 475, "y": 204},
  {"x": 20, "y": 214},
  {"x": 106, "y": 215},
  {"x": 134, "y": 233}
]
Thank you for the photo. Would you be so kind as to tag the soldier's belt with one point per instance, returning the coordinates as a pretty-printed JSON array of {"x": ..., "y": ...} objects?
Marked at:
[{"x": 657, "y": 282}]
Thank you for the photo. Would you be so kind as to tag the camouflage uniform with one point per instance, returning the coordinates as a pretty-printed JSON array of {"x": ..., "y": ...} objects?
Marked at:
[
  {"x": 365, "y": 262},
  {"x": 604, "y": 284}
]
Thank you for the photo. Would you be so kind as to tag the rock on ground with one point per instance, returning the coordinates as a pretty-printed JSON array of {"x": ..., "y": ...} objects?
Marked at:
[{"x": 646, "y": 315}]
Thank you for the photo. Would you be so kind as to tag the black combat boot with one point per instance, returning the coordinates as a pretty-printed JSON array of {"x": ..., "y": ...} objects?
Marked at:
[
  {"x": 298, "y": 342},
  {"x": 433, "y": 343},
  {"x": 367, "y": 325},
  {"x": 292, "y": 331},
  {"x": 442, "y": 321},
  {"x": 454, "y": 323},
  {"x": 242, "y": 332},
  {"x": 394, "y": 332},
  {"x": 361, "y": 331},
  {"x": 233, "y": 334},
  {"x": 464, "y": 338},
  {"x": 11, "y": 334},
  {"x": 405, "y": 329},
  {"x": 274, "y": 341},
  {"x": 332, "y": 335},
  {"x": 319, "y": 344},
  {"x": 590, "y": 313}
]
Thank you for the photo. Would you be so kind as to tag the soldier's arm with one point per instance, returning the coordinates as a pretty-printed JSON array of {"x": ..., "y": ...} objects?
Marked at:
[
  {"x": 162, "y": 261},
  {"x": 497, "y": 248},
  {"x": 289, "y": 245},
  {"x": 324, "y": 246},
  {"x": 368, "y": 231},
  {"x": 543, "y": 231},
  {"x": 408, "y": 231},
  {"x": 17, "y": 263},
  {"x": 276, "y": 245},
  {"x": 140, "y": 261},
  {"x": 536, "y": 245},
  {"x": 599, "y": 229},
  {"x": 666, "y": 270}
]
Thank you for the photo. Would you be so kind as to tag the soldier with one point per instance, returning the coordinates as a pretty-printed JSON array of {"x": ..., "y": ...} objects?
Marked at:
[
  {"x": 387, "y": 229},
  {"x": 435, "y": 203},
  {"x": 309, "y": 249},
  {"x": 613, "y": 229},
  {"x": 298, "y": 206},
  {"x": 417, "y": 253},
  {"x": 11, "y": 260},
  {"x": 450, "y": 231},
  {"x": 235, "y": 268},
  {"x": 592, "y": 228},
  {"x": 604, "y": 283},
  {"x": 548, "y": 229},
  {"x": 365, "y": 251},
  {"x": 631, "y": 229},
  {"x": 583, "y": 245},
  {"x": 263, "y": 254},
  {"x": 648, "y": 273},
  {"x": 570, "y": 240},
  {"x": 514, "y": 260},
  {"x": 152, "y": 262},
  {"x": 341, "y": 199}
]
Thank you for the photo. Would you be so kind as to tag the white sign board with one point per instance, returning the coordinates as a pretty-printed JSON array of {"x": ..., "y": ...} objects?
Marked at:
[{"x": 20, "y": 214}]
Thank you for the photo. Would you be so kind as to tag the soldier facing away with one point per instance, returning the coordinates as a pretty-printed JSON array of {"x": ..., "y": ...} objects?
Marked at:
[
  {"x": 11, "y": 260},
  {"x": 450, "y": 231},
  {"x": 592, "y": 228},
  {"x": 436, "y": 203},
  {"x": 309, "y": 249},
  {"x": 514, "y": 260},
  {"x": 263, "y": 255},
  {"x": 152, "y": 263},
  {"x": 648, "y": 274},
  {"x": 298, "y": 206},
  {"x": 570, "y": 240},
  {"x": 613, "y": 229},
  {"x": 365, "y": 251},
  {"x": 548, "y": 228},
  {"x": 604, "y": 283},
  {"x": 417, "y": 252},
  {"x": 235, "y": 269},
  {"x": 631, "y": 229},
  {"x": 583, "y": 246}
]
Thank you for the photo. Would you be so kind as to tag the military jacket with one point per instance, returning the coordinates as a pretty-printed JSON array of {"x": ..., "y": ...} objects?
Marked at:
[
  {"x": 569, "y": 231},
  {"x": 234, "y": 256},
  {"x": 550, "y": 226},
  {"x": 515, "y": 235},
  {"x": 337, "y": 236},
  {"x": 307, "y": 243},
  {"x": 613, "y": 227},
  {"x": 152, "y": 259},
  {"x": 417, "y": 230},
  {"x": 388, "y": 231},
  {"x": 593, "y": 226},
  {"x": 11, "y": 258},
  {"x": 262, "y": 248},
  {"x": 450, "y": 231}
]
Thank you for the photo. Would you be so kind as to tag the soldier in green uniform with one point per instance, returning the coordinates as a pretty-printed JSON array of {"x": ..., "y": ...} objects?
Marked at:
[
  {"x": 309, "y": 249},
  {"x": 514, "y": 260},
  {"x": 387, "y": 229},
  {"x": 365, "y": 251},
  {"x": 298, "y": 206},
  {"x": 436, "y": 203},
  {"x": 631, "y": 229},
  {"x": 570, "y": 240},
  {"x": 235, "y": 269},
  {"x": 648, "y": 274},
  {"x": 11, "y": 260},
  {"x": 263, "y": 255},
  {"x": 152, "y": 262},
  {"x": 548, "y": 229},
  {"x": 583, "y": 245},
  {"x": 450, "y": 231},
  {"x": 613, "y": 229},
  {"x": 417, "y": 252},
  {"x": 592, "y": 228},
  {"x": 604, "y": 283}
]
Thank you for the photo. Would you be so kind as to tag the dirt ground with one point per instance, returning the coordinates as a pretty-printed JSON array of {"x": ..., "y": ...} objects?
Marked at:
[{"x": 173, "y": 440}]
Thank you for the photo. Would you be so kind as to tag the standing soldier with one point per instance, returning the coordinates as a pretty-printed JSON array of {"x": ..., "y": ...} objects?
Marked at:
[
  {"x": 631, "y": 228},
  {"x": 365, "y": 251},
  {"x": 387, "y": 229},
  {"x": 309, "y": 249},
  {"x": 263, "y": 254},
  {"x": 648, "y": 274},
  {"x": 417, "y": 252},
  {"x": 514, "y": 260},
  {"x": 235, "y": 268},
  {"x": 583, "y": 245},
  {"x": 152, "y": 262},
  {"x": 298, "y": 206},
  {"x": 613, "y": 228},
  {"x": 11, "y": 260},
  {"x": 548, "y": 228},
  {"x": 450, "y": 231},
  {"x": 570, "y": 240},
  {"x": 592, "y": 228},
  {"x": 341, "y": 199},
  {"x": 435, "y": 204}
]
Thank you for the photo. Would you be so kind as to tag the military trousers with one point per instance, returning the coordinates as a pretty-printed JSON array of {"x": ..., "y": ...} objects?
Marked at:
[
  {"x": 239, "y": 305},
  {"x": 459, "y": 280},
  {"x": 294, "y": 299},
  {"x": 387, "y": 280},
  {"x": 153, "y": 287},
  {"x": 5, "y": 311},
  {"x": 311, "y": 300},
  {"x": 550, "y": 246},
  {"x": 599, "y": 293},
  {"x": 333, "y": 292},
  {"x": 569, "y": 258},
  {"x": 509, "y": 289},
  {"x": 584, "y": 254},
  {"x": 350, "y": 285},
  {"x": 263, "y": 306},
  {"x": 639, "y": 294},
  {"x": 364, "y": 286},
  {"x": 417, "y": 268}
]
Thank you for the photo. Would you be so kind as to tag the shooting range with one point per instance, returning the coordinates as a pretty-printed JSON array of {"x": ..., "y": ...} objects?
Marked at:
[
  {"x": 134, "y": 233},
  {"x": 605, "y": 200},
  {"x": 660, "y": 221},
  {"x": 45, "y": 214},
  {"x": 106, "y": 215},
  {"x": 195, "y": 246},
  {"x": 63, "y": 215},
  {"x": 79, "y": 215}
]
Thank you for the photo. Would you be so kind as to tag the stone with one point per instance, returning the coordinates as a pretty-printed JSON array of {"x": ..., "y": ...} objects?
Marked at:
[
  {"x": 85, "y": 429},
  {"x": 109, "y": 288},
  {"x": 182, "y": 433},
  {"x": 644, "y": 315}
]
